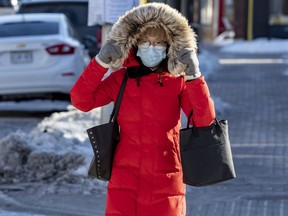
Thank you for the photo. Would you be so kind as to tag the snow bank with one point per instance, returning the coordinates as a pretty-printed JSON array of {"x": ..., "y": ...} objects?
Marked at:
[
  {"x": 257, "y": 46},
  {"x": 57, "y": 150}
]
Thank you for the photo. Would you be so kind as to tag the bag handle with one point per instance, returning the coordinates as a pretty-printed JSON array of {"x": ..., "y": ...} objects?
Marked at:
[
  {"x": 189, "y": 118},
  {"x": 116, "y": 107},
  {"x": 194, "y": 125}
]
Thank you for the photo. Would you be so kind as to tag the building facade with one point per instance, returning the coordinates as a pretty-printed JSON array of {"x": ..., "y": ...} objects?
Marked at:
[
  {"x": 261, "y": 19},
  {"x": 249, "y": 19},
  {"x": 205, "y": 16}
]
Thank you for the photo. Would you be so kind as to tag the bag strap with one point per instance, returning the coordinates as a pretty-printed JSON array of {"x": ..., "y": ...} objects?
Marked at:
[
  {"x": 116, "y": 107},
  {"x": 189, "y": 118},
  {"x": 216, "y": 121}
]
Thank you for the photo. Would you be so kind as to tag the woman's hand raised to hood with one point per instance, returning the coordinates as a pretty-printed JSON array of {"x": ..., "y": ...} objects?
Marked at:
[
  {"x": 108, "y": 53},
  {"x": 188, "y": 56}
]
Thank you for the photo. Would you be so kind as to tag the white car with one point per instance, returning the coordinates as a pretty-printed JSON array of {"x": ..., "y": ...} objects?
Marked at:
[{"x": 39, "y": 54}]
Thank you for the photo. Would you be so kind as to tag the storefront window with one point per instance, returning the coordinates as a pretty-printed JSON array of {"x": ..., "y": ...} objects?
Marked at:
[
  {"x": 229, "y": 9},
  {"x": 207, "y": 12},
  {"x": 278, "y": 12}
]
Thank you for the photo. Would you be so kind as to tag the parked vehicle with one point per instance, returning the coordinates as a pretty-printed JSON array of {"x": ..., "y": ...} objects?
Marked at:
[
  {"x": 40, "y": 54},
  {"x": 75, "y": 10}
]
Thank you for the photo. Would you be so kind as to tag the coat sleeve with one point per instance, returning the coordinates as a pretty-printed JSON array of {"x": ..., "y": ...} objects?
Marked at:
[
  {"x": 90, "y": 91},
  {"x": 195, "y": 96}
]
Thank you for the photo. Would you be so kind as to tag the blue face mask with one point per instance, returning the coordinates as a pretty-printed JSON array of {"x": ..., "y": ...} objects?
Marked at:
[{"x": 151, "y": 56}]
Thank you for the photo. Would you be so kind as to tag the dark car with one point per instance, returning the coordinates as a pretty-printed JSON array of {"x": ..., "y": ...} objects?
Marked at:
[{"x": 76, "y": 11}]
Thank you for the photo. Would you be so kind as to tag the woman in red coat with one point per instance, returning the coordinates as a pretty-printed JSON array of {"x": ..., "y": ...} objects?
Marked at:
[{"x": 157, "y": 49}]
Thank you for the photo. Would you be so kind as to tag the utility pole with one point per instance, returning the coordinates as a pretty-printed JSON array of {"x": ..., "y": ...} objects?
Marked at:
[{"x": 250, "y": 20}]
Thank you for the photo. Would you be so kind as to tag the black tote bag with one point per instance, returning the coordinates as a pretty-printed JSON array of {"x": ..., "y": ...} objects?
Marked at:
[
  {"x": 206, "y": 155},
  {"x": 104, "y": 139}
]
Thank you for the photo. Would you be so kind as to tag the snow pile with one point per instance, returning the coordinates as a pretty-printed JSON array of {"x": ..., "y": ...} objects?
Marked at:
[
  {"x": 20, "y": 162},
  {"x": 57, "y": 150},
  {"x": 14, "y": 153}
]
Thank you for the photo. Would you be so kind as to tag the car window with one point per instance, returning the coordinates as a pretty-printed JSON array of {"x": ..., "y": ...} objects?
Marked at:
[
  {"x": 76, "y": 12},
  {"x": 35, "y": 28}
]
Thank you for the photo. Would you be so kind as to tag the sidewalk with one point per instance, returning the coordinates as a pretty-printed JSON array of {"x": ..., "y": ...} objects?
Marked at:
[
  {"x": 257, "y": 114},
  {"x": 257, "y": 95}
]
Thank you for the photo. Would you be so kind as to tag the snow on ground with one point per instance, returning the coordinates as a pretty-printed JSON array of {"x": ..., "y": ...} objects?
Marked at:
[
  {"x": 33, "y": 105},
  {"x": 257, "y": 46},
  {"x": 208, "y": 63},
  {"x": 10, "y": 213},
  {"x": 8, "y": 201}
]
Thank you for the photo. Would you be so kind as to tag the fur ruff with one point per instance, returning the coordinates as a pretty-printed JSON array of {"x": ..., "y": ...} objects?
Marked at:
[{"x": 127, "y": 30}]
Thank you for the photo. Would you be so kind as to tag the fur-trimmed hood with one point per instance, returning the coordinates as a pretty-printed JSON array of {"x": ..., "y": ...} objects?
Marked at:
[{"x": 127, "y": 30}]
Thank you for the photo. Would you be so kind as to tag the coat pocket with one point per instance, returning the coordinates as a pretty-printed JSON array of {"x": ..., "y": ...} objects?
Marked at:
[{"x": 167, "y": 160}]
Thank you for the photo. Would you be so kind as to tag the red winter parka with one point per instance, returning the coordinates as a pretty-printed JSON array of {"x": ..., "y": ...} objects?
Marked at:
[{"x": 147, "y": 175}]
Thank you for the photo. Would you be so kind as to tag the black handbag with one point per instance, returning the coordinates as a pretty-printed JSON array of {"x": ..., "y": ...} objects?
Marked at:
[
  {"x": 104, "y": 139},
  {"x": 206, "y": 155}
]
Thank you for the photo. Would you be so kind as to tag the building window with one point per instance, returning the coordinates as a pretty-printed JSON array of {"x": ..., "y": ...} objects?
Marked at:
[
  {"x": 278, "y": 12},
  {"x": 207, "y": 12}
]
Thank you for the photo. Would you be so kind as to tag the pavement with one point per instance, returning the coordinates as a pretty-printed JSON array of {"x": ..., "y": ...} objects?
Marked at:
[
  {"x": 257, "y": 104},
  {"x": 6, "y": 11}
]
